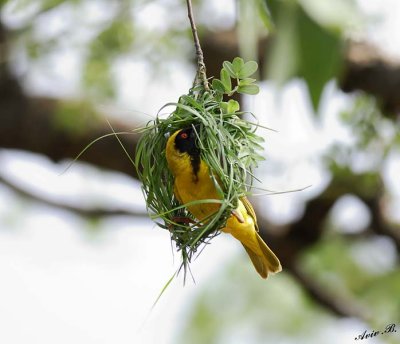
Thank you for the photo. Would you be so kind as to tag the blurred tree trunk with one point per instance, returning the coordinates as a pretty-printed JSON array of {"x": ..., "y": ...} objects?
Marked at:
[{"x": 29, "y": 123}]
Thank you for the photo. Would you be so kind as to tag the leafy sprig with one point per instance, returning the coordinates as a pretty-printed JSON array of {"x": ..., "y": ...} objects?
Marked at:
[{"x": 239, "y": 72}]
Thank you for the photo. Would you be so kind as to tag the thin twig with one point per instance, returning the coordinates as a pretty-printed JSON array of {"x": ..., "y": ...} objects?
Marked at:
[{"x": 201, "y": 67}]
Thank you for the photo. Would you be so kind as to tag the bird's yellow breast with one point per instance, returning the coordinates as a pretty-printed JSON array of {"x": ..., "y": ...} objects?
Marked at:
[
  {"x": 190, "y": 187},
  {"x": 191, "y": 184},
  {"x": 195, "y": 184}
]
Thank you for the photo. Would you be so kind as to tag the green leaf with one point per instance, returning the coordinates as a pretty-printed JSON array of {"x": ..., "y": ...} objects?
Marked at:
[
  {"x": 303, "y": 48},
  {"x": 320, "y": 56},
  {"x": 237, "y": 64},
  {"x": 224, "y": 107},
  {"x": 226, "y": 80},
  {"x": 163, "y": 290},
  {"x": 246, "y": 81},
  {"x": 248, "y": 89},
  {"x": 265, "y": 15},
  {"x": 218, "y": 86},
  {"x": 249, "y": 68},
  {"x": 283, "y": 60},
  {"x": 339, "y": 15},
  {"x": 229, "y": 68},
  {"x": 233, "y": 106},
  {"x": 219, "y": 97}
]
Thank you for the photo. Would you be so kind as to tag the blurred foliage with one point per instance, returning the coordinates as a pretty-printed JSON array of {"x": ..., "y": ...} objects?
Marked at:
[
  {"x": 358, "y": 165},
  {"x": 101, "y": 40},
  {"x": 308, "y": 36},
  {"x": 241, "y": 308},
  {"x": 307, "y": 41},
  {"x": 373, "y": 132},
  {"x": 66, "y": 119},
  {"x": 304, "y": 48},
  {"x": 365, "y": 185},
  {"x": 111, "y": 42},
  {"x": 338, "y": 264}
]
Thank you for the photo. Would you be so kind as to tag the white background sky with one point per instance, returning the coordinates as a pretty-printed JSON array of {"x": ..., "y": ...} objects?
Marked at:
[{"x": 62, "y": 284}]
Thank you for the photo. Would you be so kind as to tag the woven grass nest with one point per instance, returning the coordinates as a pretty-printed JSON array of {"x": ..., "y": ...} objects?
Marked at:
[{"x": 228, "y": 145}]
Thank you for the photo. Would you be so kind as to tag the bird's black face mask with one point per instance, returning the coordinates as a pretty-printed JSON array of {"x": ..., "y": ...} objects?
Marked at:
[{"x": 185, "y": 142}]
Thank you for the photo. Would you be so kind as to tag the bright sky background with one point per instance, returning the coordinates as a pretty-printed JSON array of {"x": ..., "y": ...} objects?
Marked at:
[{"x": 64, "y": 284}]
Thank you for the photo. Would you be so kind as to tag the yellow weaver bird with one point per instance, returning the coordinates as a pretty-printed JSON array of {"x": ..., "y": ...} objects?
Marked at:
[{"x": 193, "y": 182}]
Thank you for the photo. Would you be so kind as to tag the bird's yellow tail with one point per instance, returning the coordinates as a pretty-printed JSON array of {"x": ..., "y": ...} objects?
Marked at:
[{"x": 264, "y": 260}]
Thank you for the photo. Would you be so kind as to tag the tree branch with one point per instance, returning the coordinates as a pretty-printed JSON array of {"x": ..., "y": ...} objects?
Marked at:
[
  {"x": 31, "y": 124},
  {"x": 84, "y": 212},
  {"x": 368, "y": 70},
  {"x": 201, "y": 67},
  {"x": 342, "y": 307}
]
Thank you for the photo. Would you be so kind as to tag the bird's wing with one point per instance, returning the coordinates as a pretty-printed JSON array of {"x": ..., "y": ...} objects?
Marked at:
[{"x": 250, "y": 211}]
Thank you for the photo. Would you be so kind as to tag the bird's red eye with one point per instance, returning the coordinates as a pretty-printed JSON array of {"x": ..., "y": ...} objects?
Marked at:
[{"x": 184, "y": 135}]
